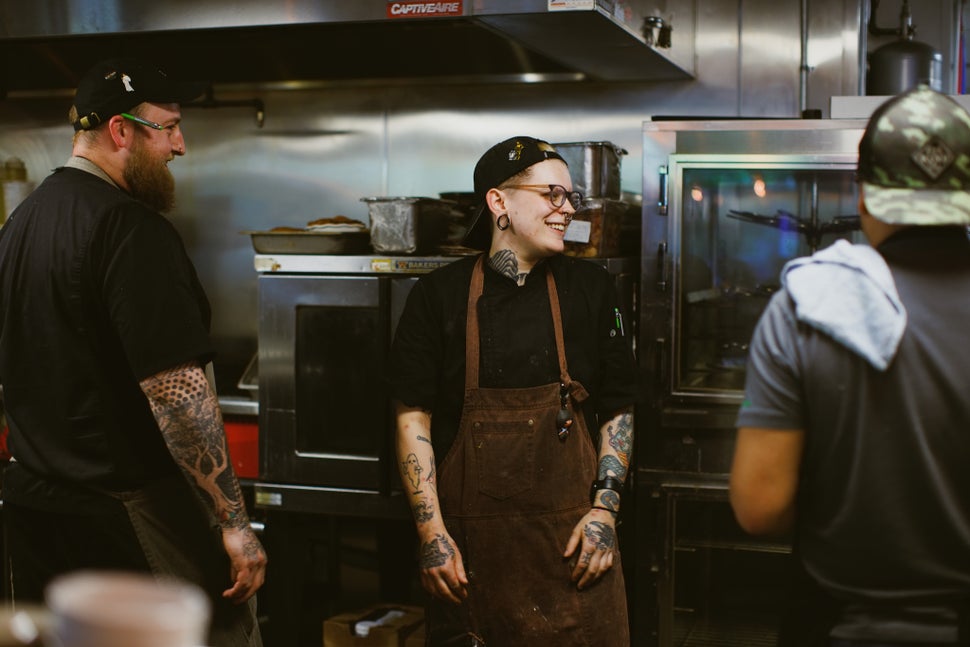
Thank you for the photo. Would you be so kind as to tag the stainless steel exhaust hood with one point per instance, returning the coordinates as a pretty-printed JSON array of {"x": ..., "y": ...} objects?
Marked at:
[{"x": 47, "y": 45}]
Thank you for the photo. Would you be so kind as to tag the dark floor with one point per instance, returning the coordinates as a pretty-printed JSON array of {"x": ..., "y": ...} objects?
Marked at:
[{"x": 321, "y": 566}]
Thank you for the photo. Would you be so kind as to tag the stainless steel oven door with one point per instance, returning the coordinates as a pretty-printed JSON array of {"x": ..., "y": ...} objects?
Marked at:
[{"x": 324, "y": 410}]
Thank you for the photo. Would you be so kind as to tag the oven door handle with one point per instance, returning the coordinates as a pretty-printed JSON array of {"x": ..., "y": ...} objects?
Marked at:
[{"x": 662, "y": 267}]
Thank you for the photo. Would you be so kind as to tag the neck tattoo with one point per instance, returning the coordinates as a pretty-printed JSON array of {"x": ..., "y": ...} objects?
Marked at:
[{"x": 505, "y": 263}]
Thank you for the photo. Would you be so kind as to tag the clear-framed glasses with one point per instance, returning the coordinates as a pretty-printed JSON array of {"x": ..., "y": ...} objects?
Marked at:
[
  {"x": 557, "y": 193},
  {"x": 172, "y": 128}
]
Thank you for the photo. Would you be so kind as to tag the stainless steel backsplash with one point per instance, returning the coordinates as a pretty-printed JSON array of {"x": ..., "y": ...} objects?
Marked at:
[{"x": 323, "y": 147}]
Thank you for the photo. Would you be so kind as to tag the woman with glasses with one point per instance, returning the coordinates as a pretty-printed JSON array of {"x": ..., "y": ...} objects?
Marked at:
[{"x": 514, "y": 387}]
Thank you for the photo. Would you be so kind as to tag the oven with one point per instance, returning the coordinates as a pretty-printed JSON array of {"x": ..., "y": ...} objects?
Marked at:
[
  {"x": 325, "y": 329},
  {"x": 327, "y": 485},
  {"x": 726, "y": 205}
]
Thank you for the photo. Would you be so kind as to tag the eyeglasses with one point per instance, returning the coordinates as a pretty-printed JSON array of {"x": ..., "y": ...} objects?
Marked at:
[
  {"x": 151, "y": 124},
  {"x": 558, "y": 194}
]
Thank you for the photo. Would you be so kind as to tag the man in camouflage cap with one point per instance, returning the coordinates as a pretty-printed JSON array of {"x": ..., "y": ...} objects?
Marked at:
[{"x": 854, "y": 432}]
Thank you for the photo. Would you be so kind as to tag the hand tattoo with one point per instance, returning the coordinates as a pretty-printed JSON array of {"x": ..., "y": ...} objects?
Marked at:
[
  {"x": 600, "y": 534},
  {"x": 433, "y": 556}
]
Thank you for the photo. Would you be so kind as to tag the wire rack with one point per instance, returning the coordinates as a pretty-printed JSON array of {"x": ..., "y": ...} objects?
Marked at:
[{"x": 725, "y": 632}]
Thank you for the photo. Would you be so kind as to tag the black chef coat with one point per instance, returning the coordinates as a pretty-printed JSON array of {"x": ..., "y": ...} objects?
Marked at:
[{"x": 427, "y": 365}]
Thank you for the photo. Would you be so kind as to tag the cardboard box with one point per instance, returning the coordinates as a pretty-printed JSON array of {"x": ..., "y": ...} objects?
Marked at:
[
  {"x": 416, "y": 639},
  {"x": 383, "y": 625}
]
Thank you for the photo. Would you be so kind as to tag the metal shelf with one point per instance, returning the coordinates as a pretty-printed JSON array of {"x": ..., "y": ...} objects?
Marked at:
[
  {"x": 723, "y": 632},
  {"x": 693, "y": 544}
]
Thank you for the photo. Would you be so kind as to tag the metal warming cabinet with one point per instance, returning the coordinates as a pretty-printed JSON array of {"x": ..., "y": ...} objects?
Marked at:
[{"x": 725, "y": 205}]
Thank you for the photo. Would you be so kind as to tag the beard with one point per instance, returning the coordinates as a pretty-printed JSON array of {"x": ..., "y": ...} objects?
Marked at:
[{"x": 149, "y": 180}]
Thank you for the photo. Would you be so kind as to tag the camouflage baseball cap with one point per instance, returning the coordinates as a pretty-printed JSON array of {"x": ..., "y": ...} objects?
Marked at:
[{"x": 914, "y": 160}]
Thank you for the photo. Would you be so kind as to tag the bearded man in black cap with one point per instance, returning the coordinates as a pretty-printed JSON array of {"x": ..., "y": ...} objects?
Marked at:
[
  {"x": 854, "y": 433},
  {"x": 120, "y": 458},
  {"x": 512, "y": 368}
]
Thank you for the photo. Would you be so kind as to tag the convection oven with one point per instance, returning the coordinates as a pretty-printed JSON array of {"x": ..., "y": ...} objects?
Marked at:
[
  {"x": 726, "y": 204},
  {"x": 325, "y": 329},
  {"x": 327, "y": 484}
]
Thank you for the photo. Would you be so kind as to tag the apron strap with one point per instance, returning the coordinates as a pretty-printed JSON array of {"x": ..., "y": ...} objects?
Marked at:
[
  {"x": 472, "y": 349},
  {"x": 557, "y": 325},
  {"x": 472, "y": 353}
]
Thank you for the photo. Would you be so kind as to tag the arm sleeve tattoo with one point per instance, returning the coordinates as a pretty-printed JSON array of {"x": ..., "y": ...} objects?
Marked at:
[
  {"x": 616, "y": 460},
  {"x": 188, "y": 414}
]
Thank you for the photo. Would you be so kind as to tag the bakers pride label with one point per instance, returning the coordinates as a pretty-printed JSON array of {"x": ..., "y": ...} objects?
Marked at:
[{"x": 424, "y": 9}]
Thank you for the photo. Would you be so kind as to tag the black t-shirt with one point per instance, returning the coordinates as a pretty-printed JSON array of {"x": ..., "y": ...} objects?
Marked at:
[
  {"x": 96, "y": 294},
  {"x": 427, "y": 366}
]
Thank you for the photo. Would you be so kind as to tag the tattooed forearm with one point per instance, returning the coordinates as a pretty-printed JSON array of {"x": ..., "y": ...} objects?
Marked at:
[
  {"x": 432, "y": 479},
  {"x": 423, "y": 511},
  {"x": 600, "y": 535},
  {"x": 620, "y": 432},
  {"x": 412, "y": 469},
  {"x": 436, "y": 552},
  {"x": 610, "y": 465},
  {"x": 610, "y": 500},
  {"x": 188, "y": 415}
]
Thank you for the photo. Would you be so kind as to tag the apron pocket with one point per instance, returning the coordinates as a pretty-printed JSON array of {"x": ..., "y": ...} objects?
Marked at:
[{"x": 505, "y": 457}]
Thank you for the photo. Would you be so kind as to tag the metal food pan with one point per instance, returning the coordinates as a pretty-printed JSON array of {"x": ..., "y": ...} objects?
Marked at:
[
  {"x": 594, "y": 167},
  {"x": 408, "y": 225},
  {"x": 296, "y": 242}
]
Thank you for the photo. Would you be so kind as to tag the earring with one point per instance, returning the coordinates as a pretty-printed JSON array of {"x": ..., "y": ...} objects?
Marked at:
[{"x": 503, "y": 226}]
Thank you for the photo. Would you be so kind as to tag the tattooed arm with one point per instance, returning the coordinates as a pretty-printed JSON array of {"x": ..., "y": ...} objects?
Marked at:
[
  {"x": 188, "y": 414},
  {"x": 595, "y": 534},
  {"x": 616, "y": 448},
  {"x": 440, "y": 563}
]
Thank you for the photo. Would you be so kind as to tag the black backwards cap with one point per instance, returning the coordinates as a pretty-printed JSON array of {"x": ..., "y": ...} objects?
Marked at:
[
  {"x": 118, "y": 85},
  {"x": 500, "y": 162}
]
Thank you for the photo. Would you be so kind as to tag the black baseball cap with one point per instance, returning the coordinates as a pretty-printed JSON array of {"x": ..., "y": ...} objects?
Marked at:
[
  {"x": 118, "y": 85},
  {"x": 499, "y": 163}
]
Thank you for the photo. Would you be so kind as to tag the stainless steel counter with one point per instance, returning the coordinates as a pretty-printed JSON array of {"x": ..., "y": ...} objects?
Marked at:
[
  {"x": 377, "y": 264},
  {"x": 238, "y": 406},
  {"x": 340, "y": 264}
]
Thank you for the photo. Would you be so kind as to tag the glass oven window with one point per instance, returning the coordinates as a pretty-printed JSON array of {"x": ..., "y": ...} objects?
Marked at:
[
  {"x": 738, "y": 226},
  {"x": 337, "y": 351}
]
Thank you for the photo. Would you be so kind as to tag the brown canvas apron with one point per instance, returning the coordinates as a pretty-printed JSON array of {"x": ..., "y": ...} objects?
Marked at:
[{"x": 511, "y": 493}]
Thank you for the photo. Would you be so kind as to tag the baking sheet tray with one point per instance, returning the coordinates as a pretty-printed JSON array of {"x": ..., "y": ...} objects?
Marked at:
[{"x": 309, "y": 242}]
